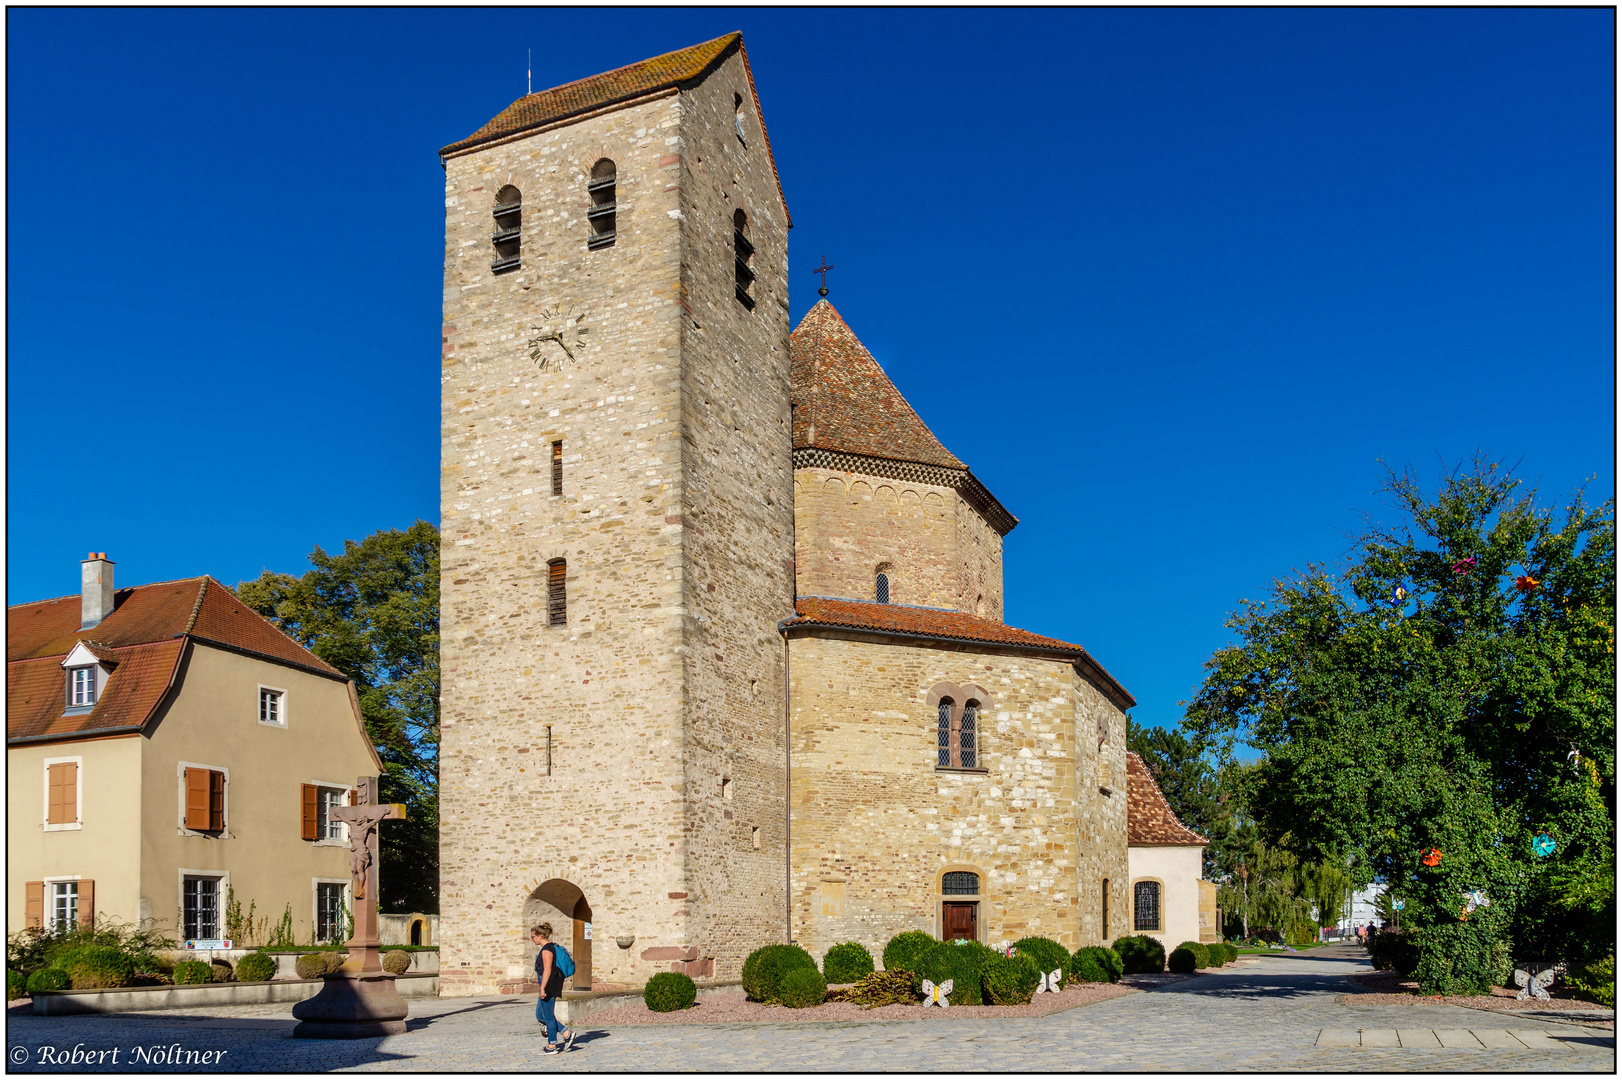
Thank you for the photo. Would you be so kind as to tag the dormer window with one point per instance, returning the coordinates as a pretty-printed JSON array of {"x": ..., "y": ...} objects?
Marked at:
[
  {"x": 81, "y": 687},
  {"x": 86, "y": 676}
]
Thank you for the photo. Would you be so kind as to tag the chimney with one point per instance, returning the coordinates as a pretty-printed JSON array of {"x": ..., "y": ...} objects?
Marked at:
[{"x": 96, "y": 594}]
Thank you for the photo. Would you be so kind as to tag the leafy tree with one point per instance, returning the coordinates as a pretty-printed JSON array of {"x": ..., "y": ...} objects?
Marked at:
[
  {"x": 372, "y": 612},
  {"x": 1451, "y": 688}
]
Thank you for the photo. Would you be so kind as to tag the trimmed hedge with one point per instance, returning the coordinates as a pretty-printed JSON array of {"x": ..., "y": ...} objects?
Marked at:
[
  {"x": 1046, "y": 954},
  {"x": 960, "y": 963},
  {"x": 1010, "y": 980},
  {"x": 313, "y": 965},
  {"x": 1095, "y": 963},
  {"x": 1201, "y": 954},
  {"x": 1140, "y": 955},
  {"x": 256, "y": 967},
  {"x": 847, "y": 963},
  {"x": 803, "y": 988},
  {"x": 396, "y": 962},
  {"x": 48, "y": 979},
  {"x": 193, "y": 973},
  {"x": 905, "y": 948},
  {"x": 16, "y": 985},
  {"x": 763, "y": 971},
  {"x": 1182, "y": 961},
  {"x": 669, "y": 991},
  {"x": 96, "y": 967}
]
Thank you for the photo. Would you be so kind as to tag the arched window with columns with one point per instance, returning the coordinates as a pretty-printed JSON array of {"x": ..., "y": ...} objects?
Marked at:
[{"x": 958, "y": 710}]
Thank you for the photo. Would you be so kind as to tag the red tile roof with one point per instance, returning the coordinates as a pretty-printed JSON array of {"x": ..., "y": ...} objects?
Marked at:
[
  {"x": 844, "y": 401},
  {"x": 1149, "y": 817},
  {"x": 36, "y": 692},
  {"x": 681, "y": 68},
  {"x": 901, "y": 620}
]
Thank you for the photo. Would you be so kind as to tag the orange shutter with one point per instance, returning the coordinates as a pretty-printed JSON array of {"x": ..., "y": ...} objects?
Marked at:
[
  {"x": 34, "y": 904},
  {"x": 354, "y": 797},
  {"x": 216, "y": 801},
  {"x": 197, "y": 799},
  {"x": 87, "y": 902},
  {"x": 64, "y": 794},
  {"x": 308, "y": 793}
]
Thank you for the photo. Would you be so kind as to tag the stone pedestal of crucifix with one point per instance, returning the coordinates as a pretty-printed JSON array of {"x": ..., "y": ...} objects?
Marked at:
[{"x": 359, "y": 1000}]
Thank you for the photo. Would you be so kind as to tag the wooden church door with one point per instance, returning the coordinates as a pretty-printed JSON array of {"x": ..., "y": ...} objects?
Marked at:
[{"x": 958, "y": 920}]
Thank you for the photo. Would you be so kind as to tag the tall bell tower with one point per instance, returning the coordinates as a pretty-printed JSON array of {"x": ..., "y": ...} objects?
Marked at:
[{"x": 617, "y": 528}]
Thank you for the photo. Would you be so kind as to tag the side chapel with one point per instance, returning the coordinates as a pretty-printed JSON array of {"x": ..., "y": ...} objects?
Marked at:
[{"x": 723, "y": 652}]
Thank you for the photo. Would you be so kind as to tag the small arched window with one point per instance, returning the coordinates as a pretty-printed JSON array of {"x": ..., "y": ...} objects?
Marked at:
[
  {"x": 557, "y": 601},
  {"x": 742, "y": 252},
  {"x": 960, "y": 883},
  {"x": 1146, "y": 906},
  {"x": 601, "y": 188},
  {"x": 966, "y": 735},
  {"x": 943, "y": 734},
  {"x": 508, "y": 213},
  {"x": 881, "y": 587}
]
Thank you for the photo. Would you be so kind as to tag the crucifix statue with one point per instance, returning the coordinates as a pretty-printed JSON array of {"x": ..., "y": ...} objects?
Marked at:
[{"x": 363, "y": 819}]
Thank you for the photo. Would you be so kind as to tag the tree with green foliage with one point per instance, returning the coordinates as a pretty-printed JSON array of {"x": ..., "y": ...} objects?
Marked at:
[
  {"x": 1434, "y": 706},
  {"x": 372, "y": 612},
  {"x": 1186, "y": 778}
]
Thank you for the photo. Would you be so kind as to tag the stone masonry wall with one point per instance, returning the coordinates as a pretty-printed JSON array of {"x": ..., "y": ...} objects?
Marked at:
[{"x": 1100, "y": 818}]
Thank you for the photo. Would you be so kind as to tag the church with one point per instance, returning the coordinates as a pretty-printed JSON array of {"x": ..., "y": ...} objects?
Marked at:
[{"x": 722, "y": 641}]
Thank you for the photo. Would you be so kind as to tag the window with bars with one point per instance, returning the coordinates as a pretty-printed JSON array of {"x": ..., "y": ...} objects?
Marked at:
[
  {"x": 957, "y": 735},
  {"x": 1146, "y": 905},
  {"x": 743, "y": 252},
  {"x": 200, "y": 907},
  {"x": 64, "y": 905},
  {"x": 960, "y": 883},
  {"x": 557, "y": 468},
  {"x": 330, "y": 922},
  {"x": 881, "y": 587},
  {"x": 557, "y": 601},
  {"x": 604, "y": 206},
  {"x": 508, "y": 215},
  {"x": 81, "y": 687},
  {"x": 270, "y": 707},
  {"x": 943, "y": 734}
]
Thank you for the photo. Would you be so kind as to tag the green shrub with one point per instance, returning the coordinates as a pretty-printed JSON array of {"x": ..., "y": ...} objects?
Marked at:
[
  {"x": 669, "y": 991},
  {"x": 960, "y": 963},
  {"x": 763, "y": 971},
  {"x": 256, "y": 967},
  {"x": 879, "y": 988},
  {"x": 193, "y": 973},
  {"x": 1010, "y": 980},
  {"x": 1182, "y": 961},
  {"x": 1596, "y": 982},
  {"x": 396, "y": 962},
  {"x": 221, "y": 971},
  {"x": 1094, "y": 963},
  {"x": 1140, "y": 955},
  {"x": 47, "y": 979},
  {"x": 313, "y": 965},
  {"x": 1201, "y": 956},
  {"x": 34, "y": 948},
  {"x": 802, "y": 988},
  {"x": 905, "y": 948},
  {"x": 16, "y": 984},
  {"x": 1229, "y": 953},
  {"x": 97, "y": 967},
  {"x": 1393, "y": 950},
  {"x": 1046, "y": 954},
  {"x": 847, "y": 963}
]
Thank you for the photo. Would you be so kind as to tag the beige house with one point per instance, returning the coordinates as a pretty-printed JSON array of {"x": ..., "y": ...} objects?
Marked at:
[
  {"x": 167, "y": 748},
  {"x": 1169, "y": 901}
]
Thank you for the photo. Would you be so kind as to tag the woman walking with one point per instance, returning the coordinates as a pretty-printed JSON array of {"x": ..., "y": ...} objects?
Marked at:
[{"x": 550, "y": 979}]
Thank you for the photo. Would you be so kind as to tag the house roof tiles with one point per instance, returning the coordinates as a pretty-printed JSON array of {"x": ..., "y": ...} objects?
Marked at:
[{"x": 1149, "y": 818}]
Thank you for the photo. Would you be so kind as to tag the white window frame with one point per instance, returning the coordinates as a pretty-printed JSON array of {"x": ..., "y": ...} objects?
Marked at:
[
  {"x": 180, "y": 798},
  {"x": 78, "y": 795},
  {"x": 315, "y": 900},
  {"x": 48, "y": 916},
  {"x": 89, "y": 671},
  {"x": 223, "y": 877},
  {"x": 281, "y": 706},
  {"x": 349, "y": 791}
]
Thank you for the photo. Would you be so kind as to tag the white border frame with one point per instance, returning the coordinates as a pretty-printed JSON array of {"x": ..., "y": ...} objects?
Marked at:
[
  {"x": 315, "y": 900},
  {"x": 180, "y": 795},
  {"x": 282, "y": 726},
  {"x": 78, "y": 795},
  {"x": 47, "y": 917},
  {"x": 222, "y": 876},
  {"x": 319, "y": 841}
]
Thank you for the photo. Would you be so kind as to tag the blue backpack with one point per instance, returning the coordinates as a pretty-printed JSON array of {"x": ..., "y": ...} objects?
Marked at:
[{"x": 562, "y": 960}]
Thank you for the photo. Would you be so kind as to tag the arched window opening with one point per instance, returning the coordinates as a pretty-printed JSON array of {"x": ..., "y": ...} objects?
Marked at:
[
  {"x": 737, "y": 118},
  {"x": 943, "y": 736},
  {"x": 960, "y": 883},
  {"x": 508, "y": 213},
  {"x": 1146, "y": 906},
  {"x": 881, "y": 587},
  {"x": 601, "y": 215},
  {"x": 966, "y": 744},
  {"x": 557, "y": 602},
  {"x": 742, "y": 252}
]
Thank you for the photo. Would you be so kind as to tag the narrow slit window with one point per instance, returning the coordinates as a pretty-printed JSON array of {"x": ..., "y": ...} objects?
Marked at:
[
  {"x": 508, "y": 214},
  {"x": 742, "y": 253},
  {"x": 557, "y": 603},
  {"x": 966, "y": 743},
  {"x": 557, "y": 468},
  {"x": 881, "y": 587},
  {"x": 601, "y": 187},
  {"x": 943, "y": 734},
  {"x": 1104, "y": 914}
]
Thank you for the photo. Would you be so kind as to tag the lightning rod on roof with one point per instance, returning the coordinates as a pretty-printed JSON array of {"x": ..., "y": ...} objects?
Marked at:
[{"x": 529, "y": 72}]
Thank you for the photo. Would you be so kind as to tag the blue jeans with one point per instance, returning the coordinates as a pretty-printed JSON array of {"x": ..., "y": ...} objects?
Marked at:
[{"x": 546, "y": 1013}]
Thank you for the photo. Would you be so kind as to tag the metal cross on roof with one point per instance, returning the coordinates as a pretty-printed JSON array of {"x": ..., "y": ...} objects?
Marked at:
[{"x": 823, "y": 270}]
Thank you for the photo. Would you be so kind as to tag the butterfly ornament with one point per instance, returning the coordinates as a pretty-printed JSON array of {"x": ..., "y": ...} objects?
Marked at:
[
  {"x": 937, "y": 995},
  {"x": 1049, "y": 983},
  {"x": 1475, "y": 898},
  {"x": 1465, "y": 565},
  {"x": 1543, "y": 845},
  {"x": 1534, "y": 986}
]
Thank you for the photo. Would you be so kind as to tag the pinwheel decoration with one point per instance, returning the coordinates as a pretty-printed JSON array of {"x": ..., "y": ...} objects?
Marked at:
[
  {"x": 1049, "y": 983},
  {"x": 937, "y": 995},
  {"x": 1398, "y": 595},
  {"x": 1543, "y": 845},
  {"x": 1534, "y": 986},
  {"x": 1465, "y": 565},
  {"x": 1526, "y": 583},
  {"x": 1476, "y": 898},
  {"x": 1398, "y": 905},
  {"x": 1431, "y": 857}
]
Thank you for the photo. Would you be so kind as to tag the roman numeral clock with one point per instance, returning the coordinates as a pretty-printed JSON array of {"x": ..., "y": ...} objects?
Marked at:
[{"x": 560, "y": 338}]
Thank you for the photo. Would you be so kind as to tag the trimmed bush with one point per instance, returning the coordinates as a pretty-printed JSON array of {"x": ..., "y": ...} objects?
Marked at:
[
  {"x": 222, "y": 971},
  {"x": 1046, "y": 954},
  {"x": 1201, "y": 955},
  {"x": 256, "y": 967},
  {"x": 97, "y": 967},
  {"x": 960, "y": 963},
  {"x": 1094, "y": 963},
  {"x": 1140, "y": 955},
  {"x": 905, "y": 948},
  {"x": 193, "y": 973},
  {"x": 398, "y": 962},
  {"x": 763, "y": 971},
  {"x": 47, "y": 979},
  {"x": 1394, "y": 950},
  {"x": 313, "y": 965},
  {"x": 847, "y": 963},
  {"x": 803, "y": 988},
  {"x": 1010, "y": 980},
  {"x": 669, "y": 991},
  {"x": 16, "y": 985},
  {"x": 1182, "y": 961},
  {"x": 1596, "y": 982}
]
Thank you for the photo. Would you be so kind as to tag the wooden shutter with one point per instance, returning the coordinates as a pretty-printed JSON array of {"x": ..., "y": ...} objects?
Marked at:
[
  {"x": 354, "y": 797},
  {"x": 216, "y": 801},
  {"x": 557, "y": 604},
  {"x": 308, "y": 794},
  {"x": 557, "y": 468},
  {"x": 197, "y": 799},
  {"x": 63, "y": 804},
  {"x": 34, "y": 904},
  {"x": 87, "y": 902}
]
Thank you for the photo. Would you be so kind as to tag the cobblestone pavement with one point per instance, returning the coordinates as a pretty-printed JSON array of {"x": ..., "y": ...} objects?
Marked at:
[{"x": 1279, "y": 1014}]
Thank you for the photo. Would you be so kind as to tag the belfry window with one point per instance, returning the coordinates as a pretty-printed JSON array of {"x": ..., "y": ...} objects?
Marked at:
[
  {"x": 601, "y": 188},
  {"x": 557, "y": 602},
  {"x": 881, "y": 587},
  {"x": 943, "y": 734},
  {"x": 508, "y": 213},
  {"x": 742, "y": 252}
]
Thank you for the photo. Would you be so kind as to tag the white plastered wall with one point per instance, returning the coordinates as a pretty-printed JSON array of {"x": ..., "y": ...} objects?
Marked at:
[{"x": 1177, "y": 868}]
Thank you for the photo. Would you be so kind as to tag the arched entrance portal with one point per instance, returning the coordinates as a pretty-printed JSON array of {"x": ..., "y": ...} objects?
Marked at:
[{"x": 562, "y": 904}]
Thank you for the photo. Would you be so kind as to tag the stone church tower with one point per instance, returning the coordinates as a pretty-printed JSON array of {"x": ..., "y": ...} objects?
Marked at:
[{"x": 617, "y": 520}]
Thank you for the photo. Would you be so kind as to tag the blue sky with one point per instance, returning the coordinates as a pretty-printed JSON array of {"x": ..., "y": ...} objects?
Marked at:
[{"x": 1173, "y": 282}]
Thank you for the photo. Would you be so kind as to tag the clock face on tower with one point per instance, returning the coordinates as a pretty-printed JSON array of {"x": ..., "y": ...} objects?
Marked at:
[{"x": 560, "y": 339}]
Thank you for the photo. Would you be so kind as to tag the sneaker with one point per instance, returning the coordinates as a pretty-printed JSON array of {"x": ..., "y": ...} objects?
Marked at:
[
  {"x": 551, "y": 1048},
  {"x": 568, "y": 1040}
]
